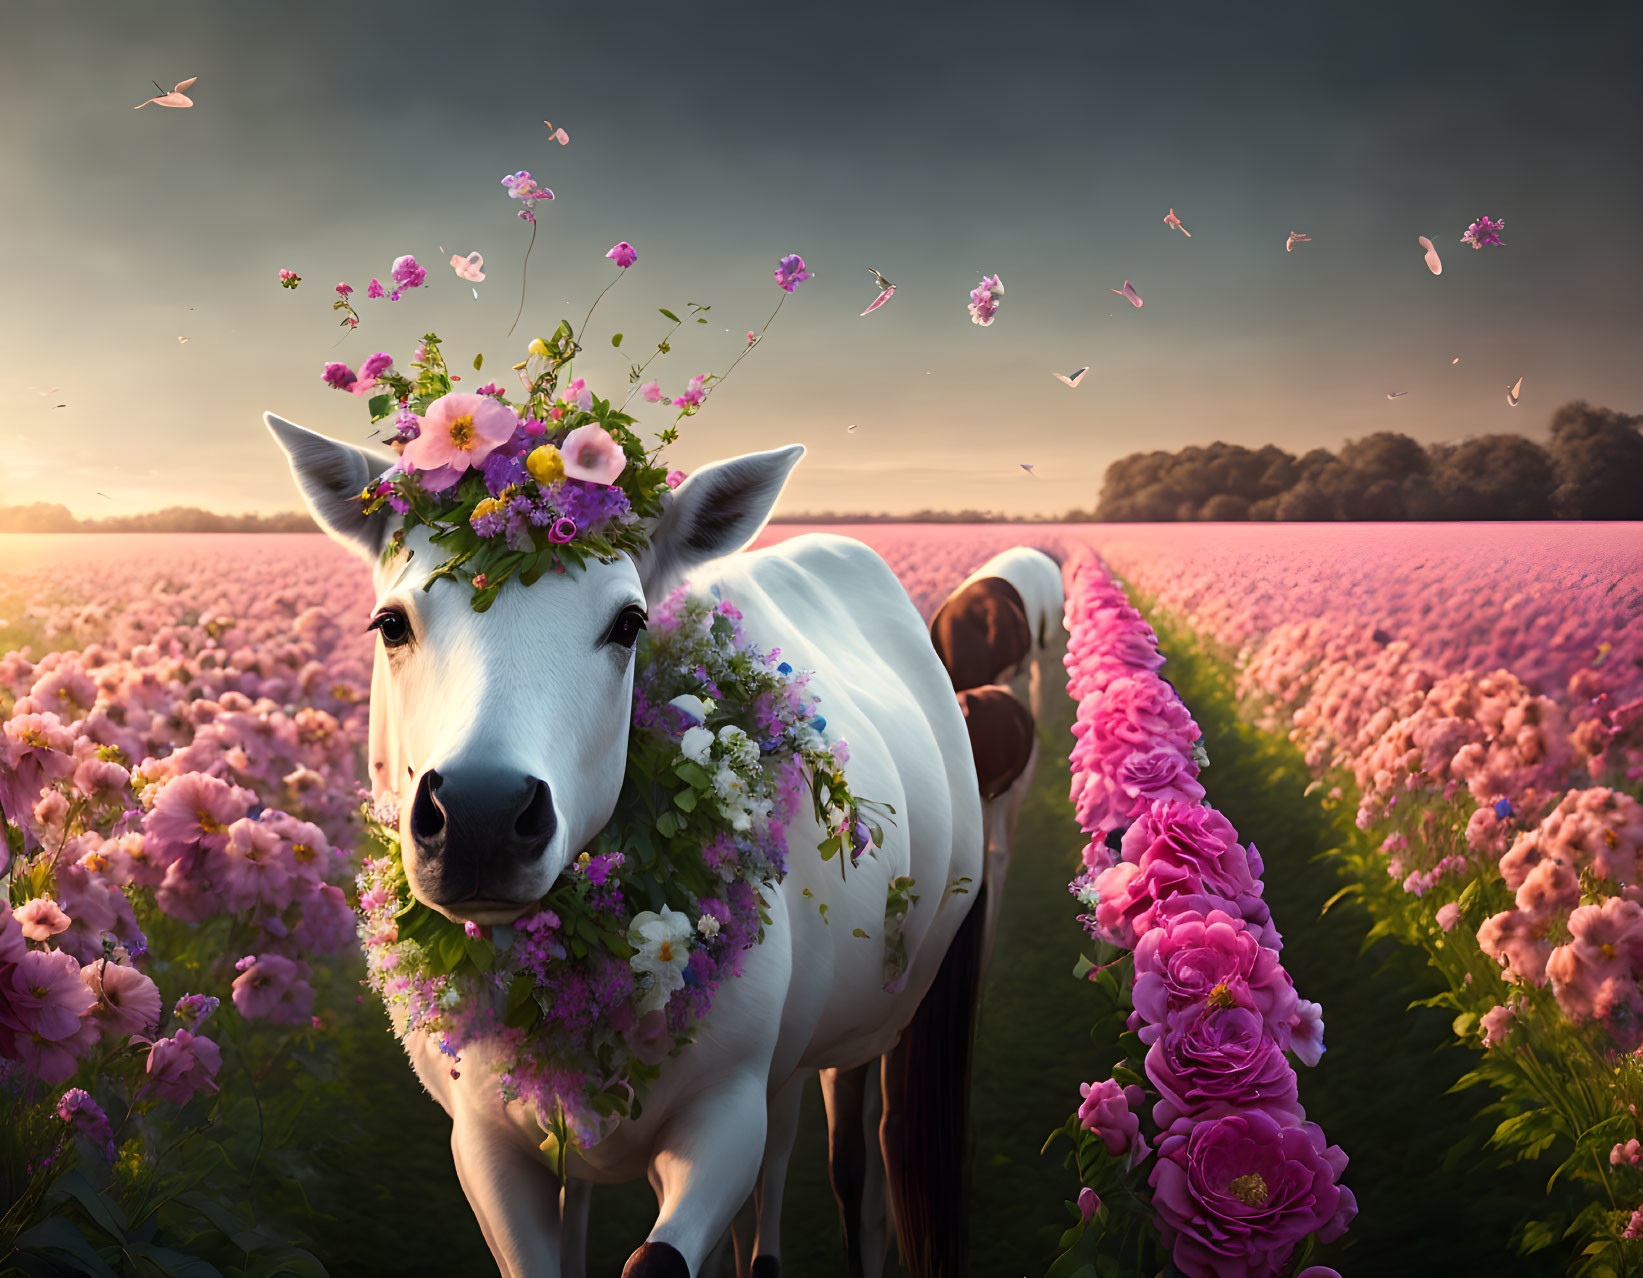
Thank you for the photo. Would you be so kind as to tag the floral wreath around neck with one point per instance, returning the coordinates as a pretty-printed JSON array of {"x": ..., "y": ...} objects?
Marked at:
[{"x": 588, "y": 993}]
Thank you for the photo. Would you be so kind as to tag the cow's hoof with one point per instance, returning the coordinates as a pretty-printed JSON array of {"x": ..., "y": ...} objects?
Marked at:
[
  {"x": 656, "y": 1260},
  {"x": 767, "y": 1267}
]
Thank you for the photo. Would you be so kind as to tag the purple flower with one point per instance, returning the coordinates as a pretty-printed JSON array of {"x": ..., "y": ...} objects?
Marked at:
[
  {"x": 1088, "y": 1203},
  {"x": 374, "y": 289},
  {"x": 1213, "y": 1059},
  {"x": 376, "y": 366},
  {"x": 86, "y": 1116},
  {"x": 338, "y": 376},
  {"x": 344, "y": 289},
  {"x": 1483, "y": 231},
  {"x": 623, "y": 254},
  {"x": 502, "y": 471},
  {"x": 790, "y": 272},
  {"x": 1235, "y": 1194}
]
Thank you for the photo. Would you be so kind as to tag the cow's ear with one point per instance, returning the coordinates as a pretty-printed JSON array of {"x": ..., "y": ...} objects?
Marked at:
[
  {"x": 717, "y": 510},
  {"x": 331, "y": 476}
]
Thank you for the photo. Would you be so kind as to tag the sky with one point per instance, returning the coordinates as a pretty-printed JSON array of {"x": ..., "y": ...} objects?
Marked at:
[{"x": 1040, "y": 142}]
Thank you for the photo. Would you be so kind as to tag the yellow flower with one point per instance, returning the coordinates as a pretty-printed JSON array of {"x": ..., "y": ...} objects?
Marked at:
[
  {"x": 489, "y": 506},
  {"x": 545, "y": 464},
  {"x": 538, "y": 347}
]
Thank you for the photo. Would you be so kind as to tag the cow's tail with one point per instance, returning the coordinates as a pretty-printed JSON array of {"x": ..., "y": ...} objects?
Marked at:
[{"x": 927, "y": 1100}]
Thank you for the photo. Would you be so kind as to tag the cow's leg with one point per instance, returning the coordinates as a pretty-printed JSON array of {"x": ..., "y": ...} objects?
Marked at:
[
  {"x": 778, "y": 1149},
  {"x": 849, "y": 1140},
  {"x": 514, "y": 1196},
  {"x": 705, "y": 1166},
  {"x": 573, "y": 1244}
]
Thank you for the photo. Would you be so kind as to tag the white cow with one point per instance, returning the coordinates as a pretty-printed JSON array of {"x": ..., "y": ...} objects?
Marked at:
[{"x": 517, "y": 719}]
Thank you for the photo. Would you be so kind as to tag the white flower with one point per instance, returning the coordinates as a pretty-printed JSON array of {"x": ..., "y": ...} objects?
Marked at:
[
  {"x": 663, "y": 945},
  {"x": 707, "y": 925},
  {"x": 738, "y": 747},
  {"x": 730, "y": 785},
  {"x": 696, "y": 743},
  {"x": 695, "y": 707},
  {"x": 1088, "y": 897}
]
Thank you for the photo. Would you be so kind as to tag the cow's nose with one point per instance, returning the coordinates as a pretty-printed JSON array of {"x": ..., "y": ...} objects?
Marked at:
[{"x": 474, "y": 827}]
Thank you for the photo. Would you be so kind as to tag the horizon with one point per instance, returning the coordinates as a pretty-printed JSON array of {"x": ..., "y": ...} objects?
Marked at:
[{"x": 892, "y": 148}]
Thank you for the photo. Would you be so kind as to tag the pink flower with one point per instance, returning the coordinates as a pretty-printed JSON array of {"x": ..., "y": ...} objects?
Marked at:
[
  {"x": 984, "y": 300},
  {"x": 675, "y": 478},
  {"x": 1448, "y": 915},
  {"x": 1517, "y": 941},
  {"x": 459, "y": 430},
  {"x": 695, "y": 393},
  {"x": 1088, "y": 1203},
  {"x": 1211, "y": 1060},
  {"x": 652, "y": 391},
  {"x": 1235, "y": 1194},
  {"x": 272, "y": 987},
  {"x": 195, "y": 809},
  {"x": 46, "y": 996},
  {"x": 592, "y": 455},
  {"x": 182, "y": 1065},
  {"x": 127, "y": 1001},
  {"x": 1306, "y": 1032},
  {"x": 1496, "y": 1024},
  {"x": 1192, "y": 960},
  {"x": 41, "y": 919},
  {"x": 623, "y": 254},
  {"x": 1592, "y": 975},
  {"x": 467, "y": 268},
  {"x": 1628, "y": 1154},
  {"x": 1108, "y": 1111}
]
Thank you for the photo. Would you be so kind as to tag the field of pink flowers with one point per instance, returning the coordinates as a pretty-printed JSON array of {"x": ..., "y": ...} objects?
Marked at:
[{"x": 182, "y": 720}]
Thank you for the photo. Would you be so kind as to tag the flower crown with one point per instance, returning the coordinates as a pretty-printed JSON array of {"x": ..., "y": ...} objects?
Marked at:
[{"x": 510, "y": 489}]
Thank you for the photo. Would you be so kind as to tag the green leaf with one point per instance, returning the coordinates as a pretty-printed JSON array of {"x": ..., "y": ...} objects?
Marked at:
[
  {"x": 1351, "y": 889},
  {"x": 664, "y": 310},
  {"x": 616, "y": 340},
  {"x": 57, "y": 1233},
  {"x": 104, "y": 1211},
  {"x": 174, "y": 1264},
  {"x": 479, "y": 362},
  {"x": 1463, "y": 1023},
  {"x": 686, "y": 800},
  {"x": 862, "y": 934},
  {"x": 378, "y": 404},
  {"x": 287, "y": 1262}
]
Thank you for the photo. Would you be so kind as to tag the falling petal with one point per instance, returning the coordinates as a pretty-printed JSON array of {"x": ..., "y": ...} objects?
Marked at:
[
  {"x": 1513, "y": 391},
  {"x": 851, "y": 428},
  {"x": 1456, "y": 360},
  {"x": 182, "y": 339},
  {"x": 1075, "y": 378},
  {"x": 1433, "y": 263},
  {"x": 1171, "y": 220},
  {"x": 1128, "y": 291},
  {"x": 881, "y": 300},
  {"x": 1395, "y": 394}
]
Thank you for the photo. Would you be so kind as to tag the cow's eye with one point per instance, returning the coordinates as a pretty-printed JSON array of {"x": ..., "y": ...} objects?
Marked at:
[
  {"x": 625, "y": 629},
  {"x": 392, "y": 624}
]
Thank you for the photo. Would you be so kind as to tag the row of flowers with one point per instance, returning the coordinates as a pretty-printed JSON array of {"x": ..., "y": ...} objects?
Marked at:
[
  {"x": 1494, "y": 823},
  {"x": 178, "y": 802},
  {"x": 1196, "y": 1147}
]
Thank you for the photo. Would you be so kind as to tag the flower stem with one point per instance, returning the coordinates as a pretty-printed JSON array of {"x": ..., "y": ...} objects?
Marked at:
[
  {"x": 576, "y": 336},
  {"x": 718, "y": 382},
  {"x": 648, "y": 362},
  {"x": 523, "y": 272}
]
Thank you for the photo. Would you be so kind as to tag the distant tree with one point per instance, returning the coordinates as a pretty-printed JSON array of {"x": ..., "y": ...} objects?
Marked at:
[
  {"x": 1598, "y": 456},
  {"x": 1224, "y": 508},
  {"x": 1496, "y": 477}
]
